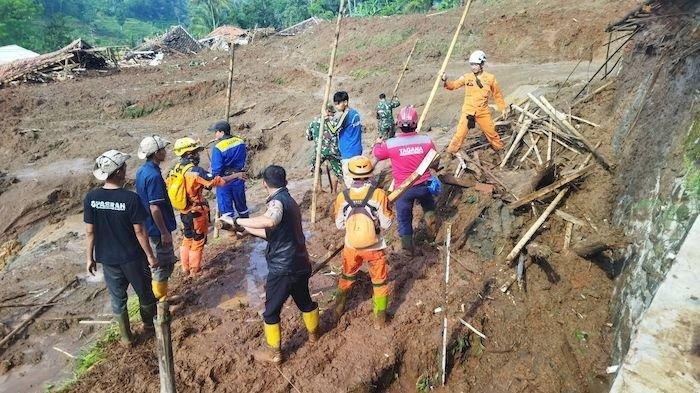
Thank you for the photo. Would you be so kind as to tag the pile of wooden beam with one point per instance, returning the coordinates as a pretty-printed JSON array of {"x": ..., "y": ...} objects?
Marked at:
[
  {"x": 540, "y": 131},
  {"x": 77, "y": 56}
]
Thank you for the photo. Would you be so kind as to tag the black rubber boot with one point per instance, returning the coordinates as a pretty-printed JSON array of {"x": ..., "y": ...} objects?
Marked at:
[
  {"x": 148, "y": 312},
  {"x": 127, "y": 339}
]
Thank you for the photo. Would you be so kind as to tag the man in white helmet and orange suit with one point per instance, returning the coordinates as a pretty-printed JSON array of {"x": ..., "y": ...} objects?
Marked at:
[{"x": 478, "y": 86}]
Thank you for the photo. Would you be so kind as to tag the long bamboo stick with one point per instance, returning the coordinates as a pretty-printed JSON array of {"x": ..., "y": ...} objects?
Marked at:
[
  {"x": 405, "y": 68},
  {"x": 528, "y": 235},
  {"x": 326, "y": 94},
  {"x": 448, "y": 240},
  {"x": 230, "y": 83},
  {"x": 35, "y": 314},
  {"x": 438, "y": 77}
]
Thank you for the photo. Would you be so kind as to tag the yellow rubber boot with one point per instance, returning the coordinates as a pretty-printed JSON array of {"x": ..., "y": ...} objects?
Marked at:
[
  {"x": 311, "y": 321},
  {"x": 160, "y": 289},
  {"x": 271, "y": 352}
]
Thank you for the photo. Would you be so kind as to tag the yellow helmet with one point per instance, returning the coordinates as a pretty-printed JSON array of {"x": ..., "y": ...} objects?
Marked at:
[
  {"x": 360, "y": 167},
  {"x": 186, "y": 145}
]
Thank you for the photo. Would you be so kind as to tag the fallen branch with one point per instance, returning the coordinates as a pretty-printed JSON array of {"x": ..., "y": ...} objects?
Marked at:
[
  {"x": 334, "y": 251},
  {"x": 27, "y": 305},
  {"x": 280, "y": 122},
  {"x": 591, "y": 247},
  {"x": 243, "y": 110},
  {"x": 35, "y": 314}
]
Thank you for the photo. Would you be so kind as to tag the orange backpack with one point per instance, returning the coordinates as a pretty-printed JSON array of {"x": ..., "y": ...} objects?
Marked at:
[{"x": 360, "y": 227}]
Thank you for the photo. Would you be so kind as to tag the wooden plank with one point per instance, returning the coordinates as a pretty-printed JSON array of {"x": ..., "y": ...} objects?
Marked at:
[
  {"x": 457, "y": 181},
  {"x": 550, "y": 188},
  {"x": 568, "y": 217}
]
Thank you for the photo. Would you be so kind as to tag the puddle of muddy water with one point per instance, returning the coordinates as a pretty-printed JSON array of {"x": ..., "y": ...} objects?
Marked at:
[{"x": 64, "y": 168}]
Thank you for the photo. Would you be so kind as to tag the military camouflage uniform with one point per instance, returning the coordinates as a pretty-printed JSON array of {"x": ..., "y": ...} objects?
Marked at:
[
  {"x": 385, "y": 117},
  {"x": 329, "y": 145}
]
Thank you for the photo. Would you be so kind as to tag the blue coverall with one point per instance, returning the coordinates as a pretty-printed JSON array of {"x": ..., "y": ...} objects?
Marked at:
[{"x": 228, "y": 156}]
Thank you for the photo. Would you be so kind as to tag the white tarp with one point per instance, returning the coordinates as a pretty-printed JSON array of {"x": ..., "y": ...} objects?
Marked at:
[{"x": 10, "y": 53}]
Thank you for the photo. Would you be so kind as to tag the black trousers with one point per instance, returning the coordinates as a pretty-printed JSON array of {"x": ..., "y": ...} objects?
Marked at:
[{"x": 278, "y": 288}]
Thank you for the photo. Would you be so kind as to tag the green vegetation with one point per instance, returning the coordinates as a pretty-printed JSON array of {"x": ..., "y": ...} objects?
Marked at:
[
  {"x": 47, "y": 25},
  {"x": 136, "y": 111},
  {"x": 96, "y": 352},
  {"x": 424, "y": 384}
]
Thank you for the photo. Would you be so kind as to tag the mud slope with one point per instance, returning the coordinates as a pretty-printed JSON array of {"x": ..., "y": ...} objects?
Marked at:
[{"x": 52, "y": 133}]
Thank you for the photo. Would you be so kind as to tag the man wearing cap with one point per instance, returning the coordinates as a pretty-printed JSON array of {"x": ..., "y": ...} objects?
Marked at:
[
  {"x": 116, "y": 238},
  {"x": 228, "y": 156},
  {"x": 160, "y": 223},
  {"x": 288, "y": 264},
  {"x": 349, "y": 134}
]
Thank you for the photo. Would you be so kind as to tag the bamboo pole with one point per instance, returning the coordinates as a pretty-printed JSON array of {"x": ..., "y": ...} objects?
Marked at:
[
  {"x": 403, "y": 72},
  {"x": 438, "y": 77},
  {"x": 530, "y": 232},
  {"x": 35, "y": 314},
  {"x": 164, "y": 346},
  {"x": 230, "y": 83},
  {"x": 326, "y": 94},
  {"x": 514, "y": 145}
]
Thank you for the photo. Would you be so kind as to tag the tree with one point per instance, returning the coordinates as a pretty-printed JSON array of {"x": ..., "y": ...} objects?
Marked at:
[
  {"x": 18, "y": 23},
  {"x": 206, "y": 15}
]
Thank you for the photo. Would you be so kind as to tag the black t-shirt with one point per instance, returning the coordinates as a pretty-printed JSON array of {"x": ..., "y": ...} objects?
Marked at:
[{"x": 113, "y": 213}]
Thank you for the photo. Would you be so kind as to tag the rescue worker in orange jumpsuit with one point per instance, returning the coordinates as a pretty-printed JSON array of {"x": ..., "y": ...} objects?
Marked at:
[
  {"x": 362, "y": 210},
  {"x": 195, "y": 216},
  {"x": 478, "y": 86}
]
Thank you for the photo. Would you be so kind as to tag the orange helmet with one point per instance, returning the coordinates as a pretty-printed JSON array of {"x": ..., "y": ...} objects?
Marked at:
[{"x": 360, "y": 167}]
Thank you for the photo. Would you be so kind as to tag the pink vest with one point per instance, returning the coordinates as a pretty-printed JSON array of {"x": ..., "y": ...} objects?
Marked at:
[{"x": 406, "y": 152}]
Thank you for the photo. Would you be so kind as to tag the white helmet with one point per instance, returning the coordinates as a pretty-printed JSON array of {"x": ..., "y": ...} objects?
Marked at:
[{"x": 477, "y": 57}]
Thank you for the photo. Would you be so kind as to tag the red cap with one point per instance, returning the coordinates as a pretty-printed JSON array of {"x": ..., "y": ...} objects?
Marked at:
[{"x": 408, "y": 117}]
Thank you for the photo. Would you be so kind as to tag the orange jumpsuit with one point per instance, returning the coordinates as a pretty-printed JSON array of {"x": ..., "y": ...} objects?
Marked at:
[
  {"x": 353, "y": 259},
  {"x": 195, "y": 218},
  {"x": 476, "y": 100}
]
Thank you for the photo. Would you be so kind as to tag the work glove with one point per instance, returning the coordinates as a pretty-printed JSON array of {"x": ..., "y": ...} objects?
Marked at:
[{"x": 471, "y": 121}]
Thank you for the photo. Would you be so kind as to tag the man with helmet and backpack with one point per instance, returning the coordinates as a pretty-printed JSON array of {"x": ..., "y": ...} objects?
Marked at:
[
  {"x": 406, "y": 152},
  {"x": 478, "y": 86},
  {"x": 186, "y": 182},
  {"x": 363, "y": 210}
]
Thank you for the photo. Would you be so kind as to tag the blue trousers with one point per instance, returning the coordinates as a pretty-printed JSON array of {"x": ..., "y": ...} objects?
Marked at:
[
  {"x": 404, "y": 206},
  {"x": 230, "y": 198}
]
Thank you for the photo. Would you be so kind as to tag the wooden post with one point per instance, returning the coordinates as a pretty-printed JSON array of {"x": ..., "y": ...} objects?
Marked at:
[
  {"x": 438, "y": 77},
  {"x": 230, "y": 83},
  {"x": 448, "y": 240},
  {"x": 405, "y": 67},
  {"x": 164, "y": 347},
  {"x": 326, "y": 94}
]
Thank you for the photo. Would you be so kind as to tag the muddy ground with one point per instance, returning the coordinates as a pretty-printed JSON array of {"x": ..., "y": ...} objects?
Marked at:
[{"x": 553, "y": 337}]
